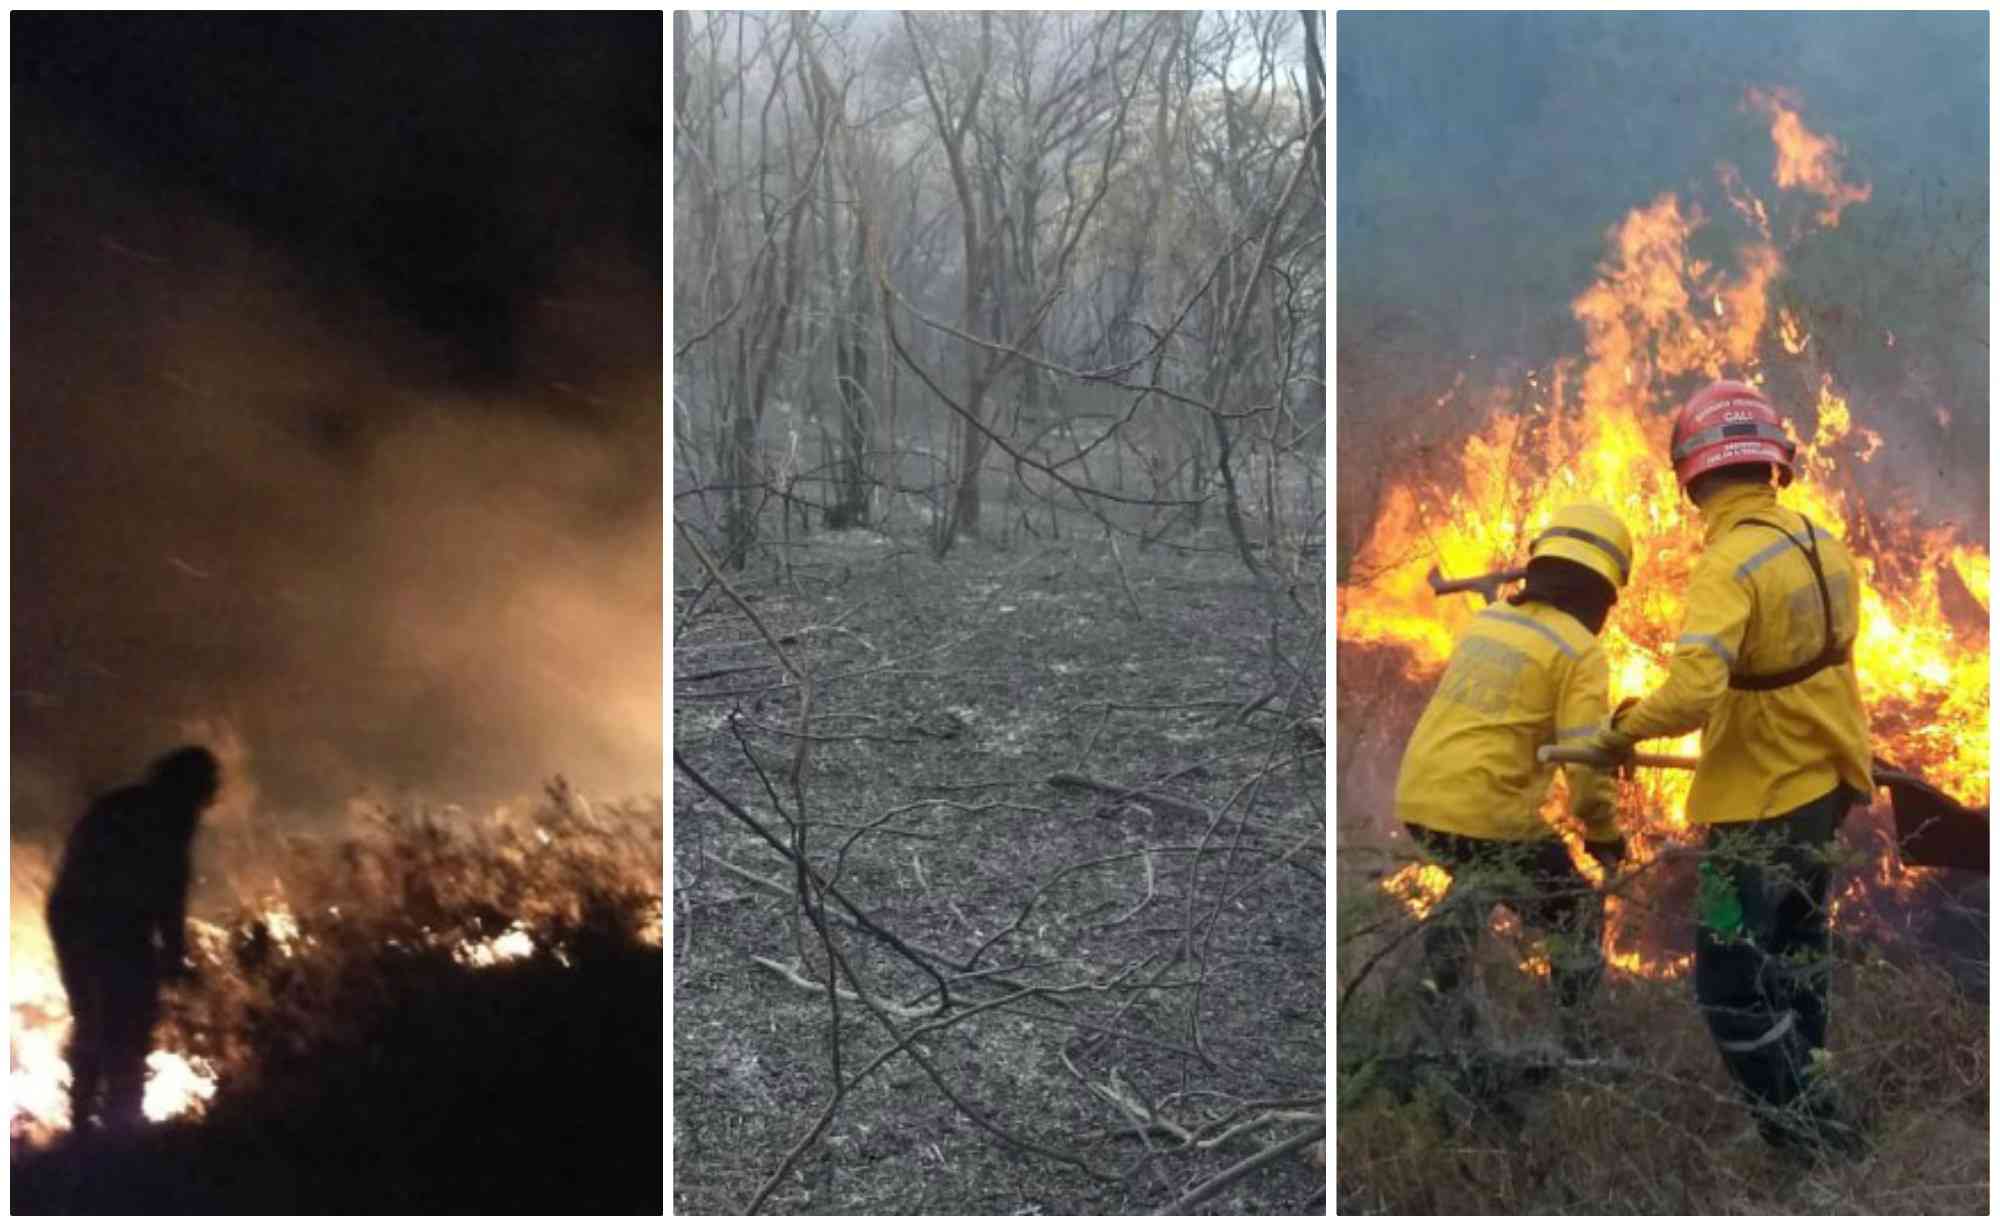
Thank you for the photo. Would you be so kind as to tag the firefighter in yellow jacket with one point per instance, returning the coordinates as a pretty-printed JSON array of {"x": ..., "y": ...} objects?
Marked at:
[
  {"x": 1525, "y": 674},
  {"x": 1764, "y": 668}
]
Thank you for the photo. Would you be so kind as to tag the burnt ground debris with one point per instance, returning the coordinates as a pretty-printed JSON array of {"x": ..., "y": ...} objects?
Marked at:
[{"x": 949, "y": 693}]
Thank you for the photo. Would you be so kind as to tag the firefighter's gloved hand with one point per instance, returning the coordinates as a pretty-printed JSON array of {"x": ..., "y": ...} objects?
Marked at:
[
  {"x": 1613, "y": 744},
  {"x": 1621, "y": 752}
]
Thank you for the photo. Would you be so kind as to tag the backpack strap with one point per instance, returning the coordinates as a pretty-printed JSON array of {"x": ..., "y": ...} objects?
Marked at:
[{"x": 1829, "y": 654}]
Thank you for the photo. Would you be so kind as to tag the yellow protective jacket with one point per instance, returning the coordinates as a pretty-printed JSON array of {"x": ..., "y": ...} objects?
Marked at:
[
  {"x": 1753, "y": 609},
  {"x": 1522, "y": 676}
]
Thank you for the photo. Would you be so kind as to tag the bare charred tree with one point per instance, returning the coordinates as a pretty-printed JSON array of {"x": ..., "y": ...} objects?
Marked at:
[
  {"x": 1030, "y": 183},
  {"x": 1310, "y": 22},
  {"x": 746, "y": 326},
  {"x": 954, "y": 106},
  {"x": 1255, "y": 164},
  {"x": 848, "y": 293}
]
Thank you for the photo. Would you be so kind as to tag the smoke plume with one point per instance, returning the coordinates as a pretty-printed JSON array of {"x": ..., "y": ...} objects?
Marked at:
[{"x": 268, "y": 505}]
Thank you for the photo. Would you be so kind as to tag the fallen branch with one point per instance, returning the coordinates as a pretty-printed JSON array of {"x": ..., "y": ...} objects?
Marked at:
[
  {"x": 1123, "y": 578},
  {"x": 1316, "y": 1102},
  {"x": 711, "y": 674},
  {"x": 1141, "y": 904},
  {"x": 1235, "y": 1173},
  {"x": 768, "y": 886},
  {"x": 793, "y": 977},
  {"x": 749, "y": 878},
  {"x": 1142, "y": 1118},
  {"x": 1269, "y": 1117},
  {"x": 1185, "y": 808},
  {"x": 809, "y": 877},
  {"x": 1140, "y": 1121},
  {"x": 1255, "y": 705}
]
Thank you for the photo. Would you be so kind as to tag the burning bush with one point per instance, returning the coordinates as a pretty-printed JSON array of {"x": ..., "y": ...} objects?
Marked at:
[{"x": 435, "y": 1012}]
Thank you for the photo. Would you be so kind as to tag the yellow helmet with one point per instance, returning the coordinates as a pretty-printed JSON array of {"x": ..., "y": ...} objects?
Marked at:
[{"x": 1591, "y": 535}]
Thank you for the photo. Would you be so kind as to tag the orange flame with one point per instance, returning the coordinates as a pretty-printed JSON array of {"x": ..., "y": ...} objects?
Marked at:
[
  {"x": 510, "y": 946},
  {"x": 1794, "y": 337},
  {"x": 1419, "y": 886},
  {"x": 1805, "y": 160},
  {"x": 1633, "y": 963}
]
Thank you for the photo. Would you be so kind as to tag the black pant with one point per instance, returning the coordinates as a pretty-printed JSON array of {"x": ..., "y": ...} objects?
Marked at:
[
  {"x": 1762, "y": 968},
  {"x": 114, "y": 999},
  {"x": 1539, "y": 883}
]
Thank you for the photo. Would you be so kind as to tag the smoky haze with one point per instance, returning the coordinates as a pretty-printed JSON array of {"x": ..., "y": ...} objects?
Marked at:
[
  {"x": 1483, "y": 156},
  {"x": 336, "y": 405}
]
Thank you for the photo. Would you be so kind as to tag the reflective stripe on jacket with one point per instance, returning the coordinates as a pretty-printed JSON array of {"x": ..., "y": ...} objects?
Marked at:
[
  {"x": 1753, "y": 608},
  {"x": 1522, "y": 676}
]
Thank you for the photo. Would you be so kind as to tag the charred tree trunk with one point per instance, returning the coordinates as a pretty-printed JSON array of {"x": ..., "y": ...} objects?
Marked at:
[
  {"x": 850, "y": 359},
  {"x": 739, "y": 529},
  {"x": 964, "y": 514}
]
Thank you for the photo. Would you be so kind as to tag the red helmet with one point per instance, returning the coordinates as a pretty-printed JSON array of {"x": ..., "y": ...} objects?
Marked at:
[{"x": 1727, "y": 423}]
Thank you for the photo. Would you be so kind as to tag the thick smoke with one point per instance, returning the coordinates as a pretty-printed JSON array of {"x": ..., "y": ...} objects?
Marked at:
[{"x": 251, "y": 509}]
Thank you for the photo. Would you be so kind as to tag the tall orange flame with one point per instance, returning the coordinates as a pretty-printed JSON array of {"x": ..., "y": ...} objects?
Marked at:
[{"x": 1807, "y": 161}]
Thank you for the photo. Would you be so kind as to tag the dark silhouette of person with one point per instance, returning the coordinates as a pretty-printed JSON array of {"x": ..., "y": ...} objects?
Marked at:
[{"x": 118, "y": 918}]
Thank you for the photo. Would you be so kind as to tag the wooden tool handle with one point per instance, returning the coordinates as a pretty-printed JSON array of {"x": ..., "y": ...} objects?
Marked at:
[{"x": 1582, "y": 756}]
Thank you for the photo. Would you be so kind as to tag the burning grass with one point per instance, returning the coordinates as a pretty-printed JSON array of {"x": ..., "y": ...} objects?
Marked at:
[{"x": 435, "y": 1014}]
